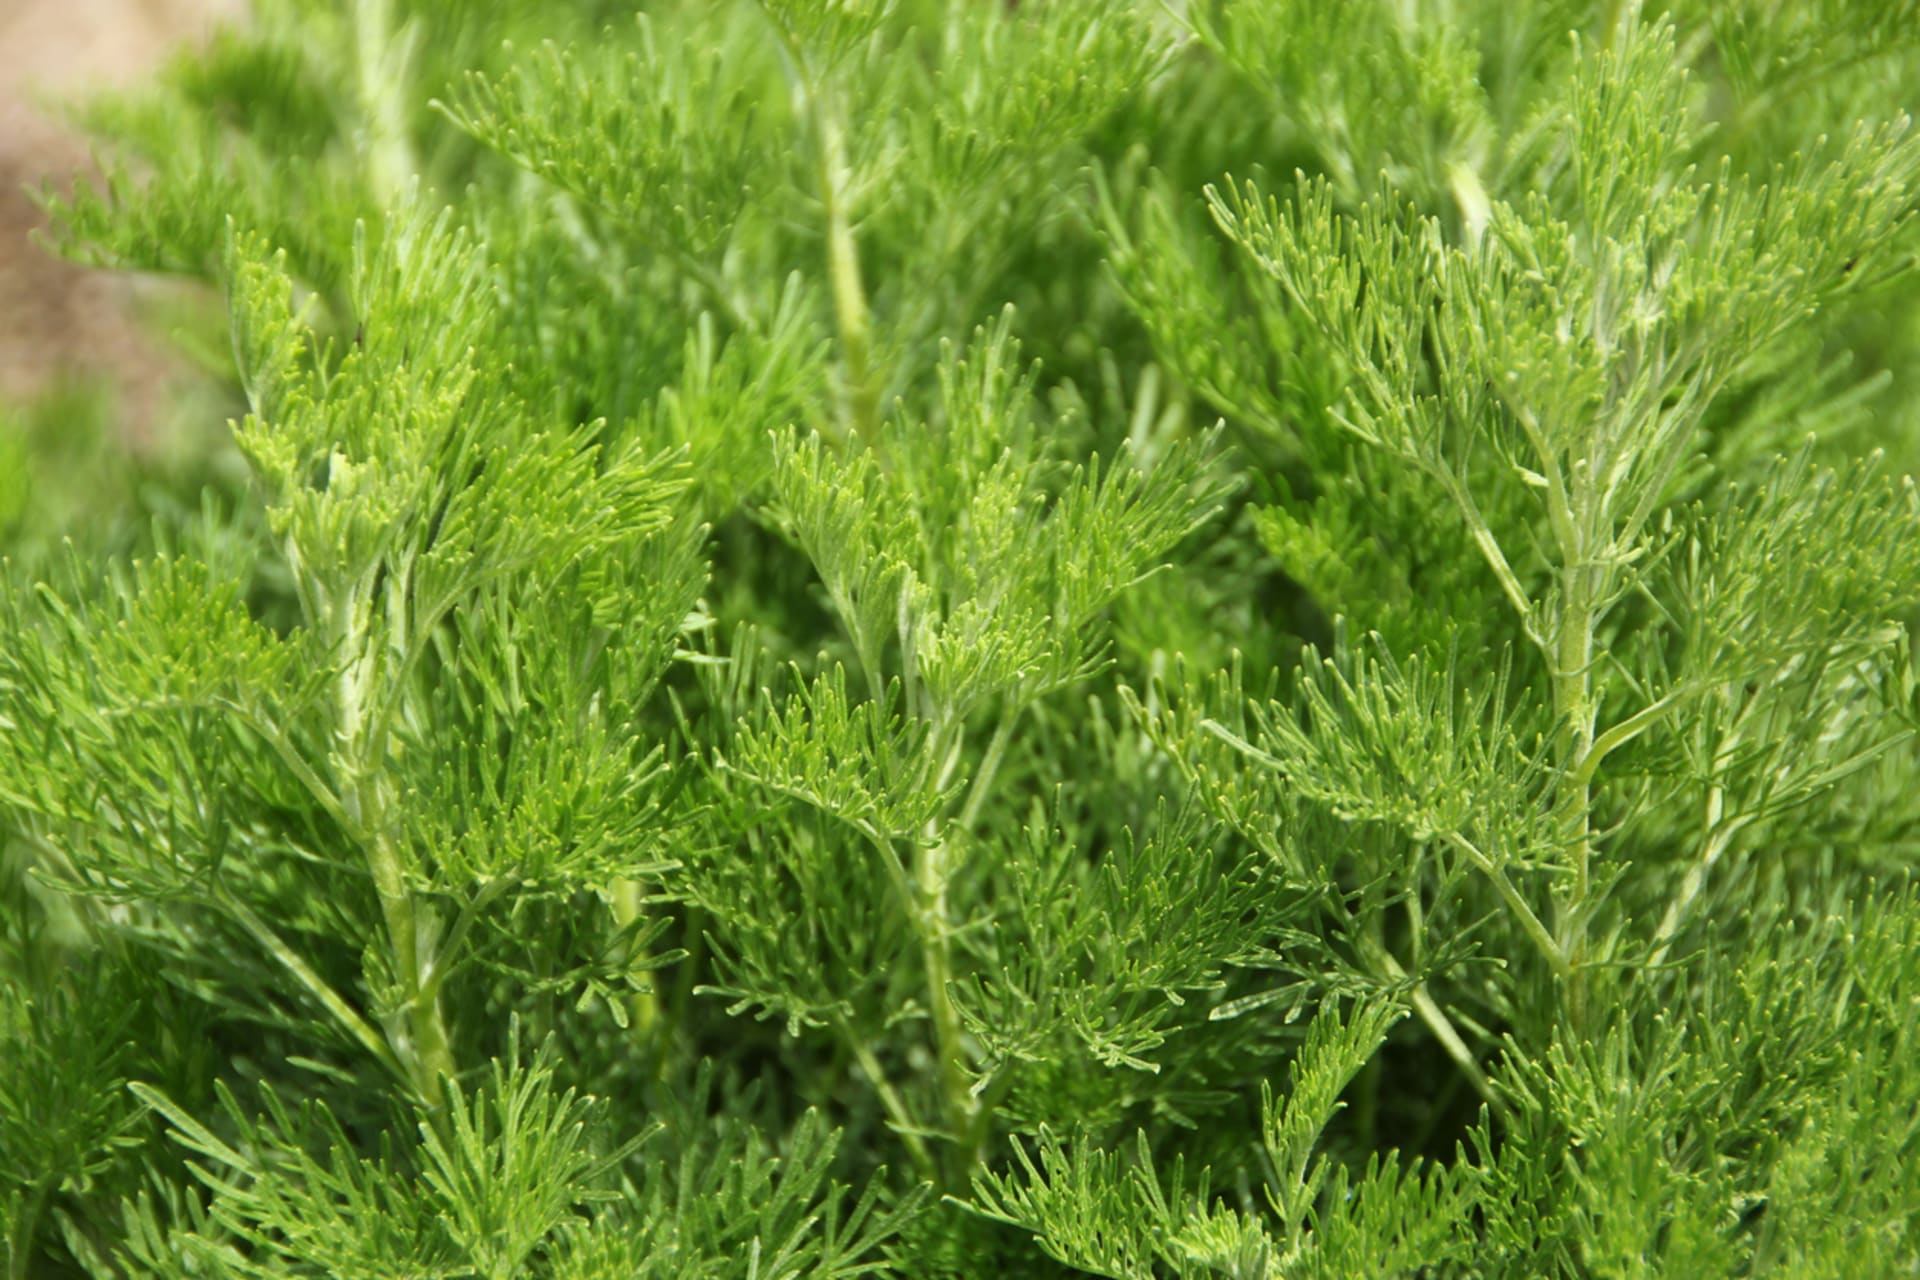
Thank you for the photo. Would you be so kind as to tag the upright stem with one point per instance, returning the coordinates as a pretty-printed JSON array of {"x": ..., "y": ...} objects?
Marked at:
[
  {"x": 416, "y": 1028},
  {"x": 964, "y": 1113},
  {"x": 1550, "y": 948},
  {"x": 1719, "y": 834},
  {"x": 642, "y": 1006},
  {"x": 381, "y": 56},
  {"x": 860, "y": 407},
  {"x": 1573, "y": 706},
  {"x": 989, "y": 765},
  {"x": 26, "y": 1230},
  {"x": 851, "y": 314},
  {"x": 1612, "y": 14},
  {"x": 931, "y": 874},
  {"x": 345, "y": 1014}
]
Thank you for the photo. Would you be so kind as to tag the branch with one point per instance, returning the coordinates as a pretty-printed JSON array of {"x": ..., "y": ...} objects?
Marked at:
[
  {"x": 1489, "y": 547},
  {"x": 1555, "y": 956},
  {"x": 890, "y": 1099},
  {"x": 347, "y": 1016},
  {"x": 1625, "y": 731},
  {"x": 1435, "y": 1017}
]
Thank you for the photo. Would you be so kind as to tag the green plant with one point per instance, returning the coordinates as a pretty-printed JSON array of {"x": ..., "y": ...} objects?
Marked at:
[{"x": 687, "y": 759}]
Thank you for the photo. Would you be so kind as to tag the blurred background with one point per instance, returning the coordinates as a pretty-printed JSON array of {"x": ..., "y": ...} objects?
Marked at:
[
  {"x": 59, "y": 323},
  {"x": 86, "y": 375}
]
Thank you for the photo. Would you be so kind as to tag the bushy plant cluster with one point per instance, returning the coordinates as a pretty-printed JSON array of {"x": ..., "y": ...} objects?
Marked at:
[{"x": 1231, "y": 638}]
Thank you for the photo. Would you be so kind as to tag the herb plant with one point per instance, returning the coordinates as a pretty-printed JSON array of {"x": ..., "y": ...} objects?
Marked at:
[{"x": 939, "y": 638}]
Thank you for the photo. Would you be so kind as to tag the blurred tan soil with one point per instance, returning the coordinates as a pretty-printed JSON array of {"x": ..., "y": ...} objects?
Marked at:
[{"x": 57, "y": 320}]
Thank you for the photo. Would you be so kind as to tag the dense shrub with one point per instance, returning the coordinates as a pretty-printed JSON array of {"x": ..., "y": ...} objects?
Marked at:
[{"x": 960, "y": 638}]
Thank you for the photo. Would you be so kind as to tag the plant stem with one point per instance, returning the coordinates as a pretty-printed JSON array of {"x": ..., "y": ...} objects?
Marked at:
[
  {"x": 1573, "y": 706},
  {"x": 1534, "y": 928},
  {"x": 949, "y": 1044},
  {"x": 1720, "y": 834},
  {"x": 642, "y": 1006},
  {"x": 860, "y": 404},
  {"x": 960, "y": 1107},
  {"x": 1611, "y": 16},
  {"x": 989, "y": 765},
  {"x": 851, "y": 315},
  {"x": 417, "y": 1028},
  {"x": 381, "y": 54},
  {"x": 890, "y": 1099},
  {"x": 964, "y": 1112},
  {"x": 1435, "y": 1017},
  {"x": 1626, "y": 731},
  {"x": 1429, "y": 1011},
  {"x": 1489, "y": 547},
  {"x": 20, "y": 1246},
  {"x": 293, "y": 962},
  {"x": 989, "y": 1106}
]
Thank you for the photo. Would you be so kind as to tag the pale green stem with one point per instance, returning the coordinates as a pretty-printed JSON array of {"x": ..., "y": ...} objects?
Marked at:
[
  {"x": 294, "y": 963},
  {"x": 381, "y": 57},
  {"x": 860, "y": 409},
  {"x": 890, "y": 1099},
  {"x": 962, "y": 1109},
  {"x": 851, "y": 314},
  {"x": 274, "y": 736},
  {"x": 989, "y": 765},
  {"x": 1547, "y": 458},
  {"x": 1490, "y": 549},
  {"x": 1611, "y": 16},
  {"x": 1437, "y": 1022},
  {"x": 949, "y": 1043},
  {"x": 1429, "y": 1011},
  {"x": 1720, "y": 834},
  {"x": 1416, "y": 924},
  {"x": 984, "y": 1111},
  {"x": 934, "y": 925},
  {"x": 1704, "y": 389},
  {"x": 1573, "y": 705},
  {"x": 1529, "y": 922},
  {"x": 1626, "y": 731},
  {"x": 362, "y": 816},
  {"x": 1470, "y": 197},
  {"x": 642, "y": 1006},
  {"x": 438, "y": 968},
  {"x": 417, "y": 1027}
]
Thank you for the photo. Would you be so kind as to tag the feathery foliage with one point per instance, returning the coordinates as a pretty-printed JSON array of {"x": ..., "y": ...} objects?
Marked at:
[{"x": 928, "y": 638}]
